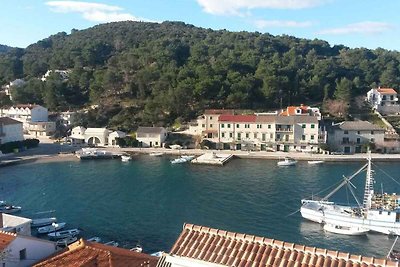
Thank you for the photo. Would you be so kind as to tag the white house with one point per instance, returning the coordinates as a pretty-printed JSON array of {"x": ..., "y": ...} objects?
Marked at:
[
  {"x": 15, "y": 224},
  {"x": 94, "y": 136},
  {"x": 64, "y": 74},
  {"x": 26, "y": 114},
  {"x": 384, "y": 100},
  {"x": 42, "y": 128},
  {"x": 112, "y": 137},
  {"x": 10, "y": 130},
  {"x": 352, "y": 136},
  {"x": 151, "y": 136},
  {"x": 77, "y": 136},
  {"x": 22, "y": 251},
  {"x": 66, "y": 118}
]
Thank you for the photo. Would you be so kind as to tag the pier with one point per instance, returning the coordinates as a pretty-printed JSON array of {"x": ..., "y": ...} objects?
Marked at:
[{"x": 213, "y": 158}]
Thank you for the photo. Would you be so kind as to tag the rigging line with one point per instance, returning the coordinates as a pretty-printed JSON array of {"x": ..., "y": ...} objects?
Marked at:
[
  {"x": 388, "y": 175},
  {"x": 326, "y": 189},
  {"x": 293, "y": 213}
]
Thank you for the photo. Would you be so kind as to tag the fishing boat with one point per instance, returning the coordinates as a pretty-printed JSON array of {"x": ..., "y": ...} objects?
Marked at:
[
  {"x": 287, "y": 161},
  {"x": 126, "y": 158},
  {"x": 315, "y": 162},
  {"x": 112, "y": 243},
  {"x": 64, "y": 234},
  {"x": 377, "y": 212},
  {"x": 66, "y": 241},
  {"x": 94, "y": 239},
  {"x": 43, "y": 221},
  {"x": 7, "y": 208},
  {"x": 345, "y": 230},
  {"x": 51, "y": 228},
  {"x": 156, "y": 154}
]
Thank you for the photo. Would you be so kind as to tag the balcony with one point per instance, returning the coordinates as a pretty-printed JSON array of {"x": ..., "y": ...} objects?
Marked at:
[
  {"x": 285, "y": 130},
  {"x": 348, "y": 143}
]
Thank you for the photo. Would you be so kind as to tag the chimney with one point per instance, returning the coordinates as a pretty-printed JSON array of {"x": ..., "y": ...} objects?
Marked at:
[{"x": 1, "y": 220}]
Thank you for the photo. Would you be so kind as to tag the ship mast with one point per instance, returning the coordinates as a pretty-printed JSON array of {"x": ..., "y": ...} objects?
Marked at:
[{"x": 369, "y": 185}]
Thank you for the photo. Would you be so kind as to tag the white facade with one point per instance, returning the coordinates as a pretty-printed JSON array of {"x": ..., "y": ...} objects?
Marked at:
[
  {"x": 97, "y": 136},
  {"x": 94, "y": 136},
  {"x": 384, "y": 100},
  {"x": 10, "y": 130},
  {"x": 25, "y": 251},
  {"x": 46, "y": 128},
  {"x": 26, "y": 114},
  {"x": 151, "y": 136}
]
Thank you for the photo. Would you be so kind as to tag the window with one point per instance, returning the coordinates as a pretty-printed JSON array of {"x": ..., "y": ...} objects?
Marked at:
[
  {"x": 380, "y": 212},
  {"x": 312, "y": 137},
  {"x": 391, "y": 97},
  {"x": 263, "y": 136},
  {"x": 237, "y": 125},
  {"x": 247, "y": 126},
  {"x": 303, "y": 137},
  {"x": 278, "y": 136},
  {"x": 156, "y": 143},
  {"x": 372, "y": 132},
  {"x": 372, "y": 140},
  {"x": 271, "y": 136},
  {"x": 358, "y": 140},
  {"x": 269, "y": 126},
  {"x": 312, "y": 126},
  {"x": 229, "y": 125},
  {"x": 22, "y": 254},
  {"x": 210, "y": 125},
  {"x": 203, "y": 126},
  {"x": 239, "y": 136},
  {"x": 346, "y": 132},
  {"x": 210, "y": 118},
  {"x": 358, "y": 132},
  {"x": 255, "y": 135},
  {"x": 303, "y": 126},
  {"x": 247, "y": 135},
  {"x": 259, "y": 126},
  {"x": 388, "y": 212},
  {"x": 384, "y": 97},
  {"x": 222, "y": 135},
  {"x": 231, "y": 135},
  {"x": 222, "y": 125}
]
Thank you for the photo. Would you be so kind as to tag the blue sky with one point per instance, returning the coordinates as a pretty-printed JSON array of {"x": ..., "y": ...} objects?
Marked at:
[{"x": 354, "y": 23}]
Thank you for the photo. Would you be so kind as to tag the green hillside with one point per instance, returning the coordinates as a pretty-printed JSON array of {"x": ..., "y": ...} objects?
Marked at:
[{"x": 155, "y": 74}]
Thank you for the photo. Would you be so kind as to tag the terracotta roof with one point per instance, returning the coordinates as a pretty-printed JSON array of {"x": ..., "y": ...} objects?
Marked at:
[
  {"x": 234, "y": 249},
  {"x": 88, "y": 254},
  {"x": 6, "y": 238},
  {"x": 8, "y": 121},
  {"x": 291, "y": 110},
  {"x": 238, "y": 118},
  {"x": 386, "y": 91},
  {"x": 359, "y": 126},
  {"x": 219, "y": 111}
]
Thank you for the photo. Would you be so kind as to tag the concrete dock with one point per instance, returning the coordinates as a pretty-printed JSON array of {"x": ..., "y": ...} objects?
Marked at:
[{"x": 213, "y": 158}]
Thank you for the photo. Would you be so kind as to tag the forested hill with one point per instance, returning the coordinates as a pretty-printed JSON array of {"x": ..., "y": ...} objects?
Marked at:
[
  {"x": 149, "y": 73},
  {"x": 4, "y": 48}
]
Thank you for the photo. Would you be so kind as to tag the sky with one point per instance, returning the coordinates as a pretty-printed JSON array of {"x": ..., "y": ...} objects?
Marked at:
[{"x": 354, "y": 23}]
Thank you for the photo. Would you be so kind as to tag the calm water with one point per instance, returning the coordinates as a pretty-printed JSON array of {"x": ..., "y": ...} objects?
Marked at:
[{"x": 148, "y": 199}]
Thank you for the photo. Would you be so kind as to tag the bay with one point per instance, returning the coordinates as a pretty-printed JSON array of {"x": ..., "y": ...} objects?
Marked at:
[{"x": 148, "y": 200}]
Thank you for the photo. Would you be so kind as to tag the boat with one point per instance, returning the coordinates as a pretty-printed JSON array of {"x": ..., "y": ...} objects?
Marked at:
[
  {"x": 51, "y": 228},
  {"x": 137, "y": 248},
  {"x": 43, "y": 221},
  {"x": 64, "y": 234},
  {"x": 345, "y": 230},
  {"x": 7, "y": 208},
  {"x": 156, "y": 154},
  {"x": 157, "y": 254},
  {"x": 377, "y": 212},
  {"x": 315, "y": 162},
  {"x": 182, "y": 159},
  {"x": 287, "y": 162},
  {"x": 94, "y": 153},
  {"x": 126, "y": 158},
  {"x": 94, "y": 239},
  {"x": 112, "y": 243},
  {"x": 66, "y": 241}
]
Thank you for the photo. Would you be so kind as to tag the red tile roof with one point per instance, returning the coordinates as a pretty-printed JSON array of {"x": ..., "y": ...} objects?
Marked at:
[
  {"x": 234, "y": 249},
  {"x": 88, "y": 254},
  {"x": 291, "y": 110},
  {"x": 386, "y": 91},
  {"x": 237, "y": 118},
  {"x": 6, "y": 239},
  {"x": 219, "y": 111}
]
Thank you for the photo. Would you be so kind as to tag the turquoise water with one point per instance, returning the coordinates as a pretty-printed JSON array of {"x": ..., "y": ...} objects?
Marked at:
[{"x": 148, "y": 199}]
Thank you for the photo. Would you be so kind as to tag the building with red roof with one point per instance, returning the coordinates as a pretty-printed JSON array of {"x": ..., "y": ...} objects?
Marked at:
[{"x": 384, "y": 100}]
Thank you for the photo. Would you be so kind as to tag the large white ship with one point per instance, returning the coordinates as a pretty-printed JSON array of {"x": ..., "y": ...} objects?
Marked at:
[{"x": 377, "y": 212}]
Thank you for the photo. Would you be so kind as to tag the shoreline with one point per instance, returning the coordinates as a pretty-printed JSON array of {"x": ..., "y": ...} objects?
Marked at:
[{"x": 300, "y": 156}]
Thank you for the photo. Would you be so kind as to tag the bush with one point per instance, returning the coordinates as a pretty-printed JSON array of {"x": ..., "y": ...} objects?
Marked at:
[{"x": 20, "y": 145}]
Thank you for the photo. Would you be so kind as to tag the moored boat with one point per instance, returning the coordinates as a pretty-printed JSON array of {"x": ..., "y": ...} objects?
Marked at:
[
  {"x": 157, "y": 254},
  {"x": 51, "y": 228},
  {"x": 315, "y": 162},
  {"x": 126, "y": 158},
  {"x": 345, "y": 230},
  {"x": 137, "y": 248},
  {"x": 43, "y": 221},
  {"x": 112, "y": 243},
  {"x": 182, "y": 159},
  {"x": 66, "y": 241},
  {"x": 64, "y": 234},
  {"x": 156, "y": 154},
  {"x": 7, "y": 208},
  {"x": 94, "y": 239},
  {"x": 287, "y": 162}
]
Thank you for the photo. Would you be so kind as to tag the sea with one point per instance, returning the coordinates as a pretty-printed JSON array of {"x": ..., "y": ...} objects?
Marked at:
[{"x": 147, "y": 201}]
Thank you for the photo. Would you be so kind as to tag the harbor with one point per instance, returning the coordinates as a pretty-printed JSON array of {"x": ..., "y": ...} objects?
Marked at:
[{"x": 147, "y": 199}]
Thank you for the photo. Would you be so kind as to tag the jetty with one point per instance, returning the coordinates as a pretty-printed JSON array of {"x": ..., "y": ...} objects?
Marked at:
[{"x": 213, "y": 158}]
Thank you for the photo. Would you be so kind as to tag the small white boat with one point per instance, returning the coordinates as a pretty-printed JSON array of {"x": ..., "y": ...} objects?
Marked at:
[
  {"x": 51, "y": 228},
  {"x": 7, "y": 208},
  {"x": 137, "y": 248},
  {"x": 315, "y": 162},
  {"x": 182, "y": 159},
  {"x": 126, "y": 158},
  {"x": 345, "y": 230},
  {"x": 112, "y": 243},
  {"x": 64, "y": 234},
  {"x": 43, "y": 221},
  {"x": 287, "y": 162},
  {"x": 94, "y": 239},
  {"x": 66, "y": 241},
  {"x": 156, "y": 154},
  {"x": 157, "y": 254}
]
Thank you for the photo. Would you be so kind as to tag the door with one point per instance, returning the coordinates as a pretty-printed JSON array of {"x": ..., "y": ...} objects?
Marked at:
[
  {"x": 239, "y": 147},
  {"x": 347, "y": 150},
  {"x": 262, "y": 147},
  {"x": 286, "y": 148},
  {"x": 358, "y": 149}
]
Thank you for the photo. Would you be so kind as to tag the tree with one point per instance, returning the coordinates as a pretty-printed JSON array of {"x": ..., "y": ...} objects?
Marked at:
[{"x": 343, "y": 90}]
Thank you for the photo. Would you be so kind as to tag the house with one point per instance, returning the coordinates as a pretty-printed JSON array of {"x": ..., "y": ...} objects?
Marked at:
[
  {"x": 94, "y": 136},
  {"x": 42, "y": 128},
  {"x": 353, "y": 136},
  {"x": 66, "y": 118},
  {"x": 151, "y": 136},
  {"x": 19, "y": 250},
  {"x": 207, "y": 124},
  {"x": 199, "y": 246},
  {"x": 77, "y": 136},
  {"x": 87, "y": 254},
  {"x": 10, "y": 130},
  {"x": 64, "y": 74},
  {"x": 15, "y": 224},
  {"x": 26, "y": 114},
  {"x": 112, "y": 137},
  {"x": 301, "y": 110},
  {"x": 384, "y": 100}
]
